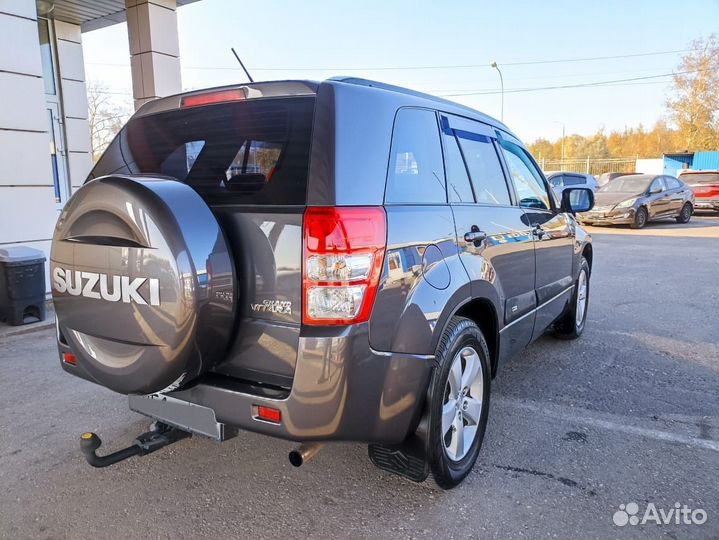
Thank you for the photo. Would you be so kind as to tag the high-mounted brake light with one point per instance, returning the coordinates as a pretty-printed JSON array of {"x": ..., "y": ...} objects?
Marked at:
[
  {"x": 209, "y": 98},
  {"x": 343, "y": 255}
]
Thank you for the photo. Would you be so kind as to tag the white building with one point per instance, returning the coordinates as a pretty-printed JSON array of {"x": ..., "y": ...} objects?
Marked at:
[{"x": 45, "y": 151}]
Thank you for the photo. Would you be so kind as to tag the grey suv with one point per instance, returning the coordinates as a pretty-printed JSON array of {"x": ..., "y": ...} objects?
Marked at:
[{"x": 334, "y": 261}]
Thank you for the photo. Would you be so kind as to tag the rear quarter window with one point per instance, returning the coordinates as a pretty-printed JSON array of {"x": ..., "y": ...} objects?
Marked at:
[{"x": 416, "y": 172}]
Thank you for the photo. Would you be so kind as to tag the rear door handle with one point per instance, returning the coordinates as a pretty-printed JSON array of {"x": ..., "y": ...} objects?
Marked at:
[{"x": 474, "y": 236}]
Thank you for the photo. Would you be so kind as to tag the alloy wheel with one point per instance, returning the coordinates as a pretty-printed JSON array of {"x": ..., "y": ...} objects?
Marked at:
[
  {"x": 581, "y": 298},
  {"x": 462, "y": 406}
]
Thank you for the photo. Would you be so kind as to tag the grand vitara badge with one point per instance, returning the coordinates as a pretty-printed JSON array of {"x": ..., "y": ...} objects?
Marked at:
[
  {"x": 283, "y": 307},
  {"x": 105, "y": 287}
]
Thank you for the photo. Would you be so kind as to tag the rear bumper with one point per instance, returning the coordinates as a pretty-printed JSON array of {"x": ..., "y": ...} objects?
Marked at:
[
  {"x": 342, "y": 390},
  {"x": 706, "y": 204}
]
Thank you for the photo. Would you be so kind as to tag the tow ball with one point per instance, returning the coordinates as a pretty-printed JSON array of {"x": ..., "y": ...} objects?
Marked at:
[{"x": 160, "y": 435}]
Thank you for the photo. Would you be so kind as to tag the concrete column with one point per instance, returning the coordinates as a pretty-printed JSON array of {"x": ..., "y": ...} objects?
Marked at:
[
  {"x": 71, "y": 70},
  {"x": 27, "y": 197},
  {"x": 154, "y": 49}
]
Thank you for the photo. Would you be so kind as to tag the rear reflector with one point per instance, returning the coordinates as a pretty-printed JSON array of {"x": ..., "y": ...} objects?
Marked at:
[
  {"x": 69, "y": 358},
  {"x": 343, "y": 255},
  {"x": 268, "y": 414},
  {"x": 197, "y": 100}
]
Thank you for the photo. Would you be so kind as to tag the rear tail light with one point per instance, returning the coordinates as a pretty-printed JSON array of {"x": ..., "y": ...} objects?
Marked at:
[{"x": 343, "y": 254}]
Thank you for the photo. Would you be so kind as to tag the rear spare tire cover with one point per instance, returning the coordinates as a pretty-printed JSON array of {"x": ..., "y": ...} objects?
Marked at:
[{"x": 143, "y": 283}]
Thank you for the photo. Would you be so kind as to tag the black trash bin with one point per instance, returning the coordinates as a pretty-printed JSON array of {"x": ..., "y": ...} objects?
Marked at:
[{"x": 22, "y": 285}]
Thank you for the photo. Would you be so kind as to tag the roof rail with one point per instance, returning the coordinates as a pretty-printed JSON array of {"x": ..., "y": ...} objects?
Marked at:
[{"x": 401, "y": 90}]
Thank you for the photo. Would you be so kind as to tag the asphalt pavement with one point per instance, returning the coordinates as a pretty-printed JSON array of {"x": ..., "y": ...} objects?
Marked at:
[{"x": 629, "y": 413}]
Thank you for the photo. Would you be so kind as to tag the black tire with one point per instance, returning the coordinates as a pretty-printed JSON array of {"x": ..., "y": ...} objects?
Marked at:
[
  {"x": 640, "y": 218},
  {"x": 459, "y": 335},
  {"x": 569, "y": 325},
  {"x": 686, "y": 214}
]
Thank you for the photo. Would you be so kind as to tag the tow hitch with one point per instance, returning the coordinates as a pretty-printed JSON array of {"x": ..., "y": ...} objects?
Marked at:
[{"x": 160, "y": 435}]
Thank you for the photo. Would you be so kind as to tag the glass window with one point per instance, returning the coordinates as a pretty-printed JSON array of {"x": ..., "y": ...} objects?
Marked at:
[
  {"x": 53, "y": 157},
  {"x": 573, "y": 180},
  {"x": 627, "y": 184},
  {"x": 244, "y": 152},
  {"x": 458, "y": 187},
  {"x": 527, "y": 179},
  {"x": 180, "y": 162},
  {"x": 657, "y": 185},
  {"x": 671, "y": 182},
  {"x": 416, "y": 172},
  {"x": 48, "y": 73},
  {"x": 485, "y": 170},
  {"x": 556, "y": 181},
  {"x": 255, "y": 157}
]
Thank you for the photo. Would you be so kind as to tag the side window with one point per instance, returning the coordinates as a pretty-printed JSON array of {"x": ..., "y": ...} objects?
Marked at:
[
  {"x": 556, "y": 181},
  {"x": 458, "y": 187},
  {"x": 527, "y": 179},
  {"x": 416, "y": 172},
  {"x": 573, "y": 180},
  {"x": 671, "y": 182},
  {"x": 485, "y": 170},
  {"x": 658, "y": 184}
]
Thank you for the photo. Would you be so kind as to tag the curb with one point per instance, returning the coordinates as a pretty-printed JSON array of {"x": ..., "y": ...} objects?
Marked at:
[{"x": 28, "y": 329}]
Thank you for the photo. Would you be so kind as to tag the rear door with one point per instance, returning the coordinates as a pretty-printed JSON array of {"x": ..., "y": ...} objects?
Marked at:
[
  {"x": 660, "y": 202},
  {"x": 495, "y": 241},
  {"x": 248, "y": 160},
  {"x": 553, "y": 234},
  {"x": 422, "y": 266},
  {"x": 675, "y": 193}
]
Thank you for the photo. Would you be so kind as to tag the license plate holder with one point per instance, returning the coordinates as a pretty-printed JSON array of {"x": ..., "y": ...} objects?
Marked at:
[{"x": 182, "y": 414}]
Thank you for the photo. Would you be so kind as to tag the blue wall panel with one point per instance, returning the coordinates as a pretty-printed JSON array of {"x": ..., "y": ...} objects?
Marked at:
[
  {"x": 706, "y": 161},
  {"x": 674, "y": 164}
]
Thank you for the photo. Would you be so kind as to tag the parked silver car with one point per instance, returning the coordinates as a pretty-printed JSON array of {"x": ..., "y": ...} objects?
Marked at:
[{"x": 560, "y": 180}]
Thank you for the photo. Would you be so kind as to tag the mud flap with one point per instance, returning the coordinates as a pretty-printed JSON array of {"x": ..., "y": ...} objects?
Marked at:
[{"x": 408, "y": 459}]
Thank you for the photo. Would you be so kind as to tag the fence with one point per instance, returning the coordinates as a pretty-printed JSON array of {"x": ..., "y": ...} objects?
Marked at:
[{"x": 589, "y": 165}]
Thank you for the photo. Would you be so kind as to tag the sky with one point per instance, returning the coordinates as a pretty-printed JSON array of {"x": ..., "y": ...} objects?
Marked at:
[{"x": 453, "y": 43}]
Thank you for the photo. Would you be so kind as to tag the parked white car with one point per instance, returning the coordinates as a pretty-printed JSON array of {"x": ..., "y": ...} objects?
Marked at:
[{"x": 560, "y": 180}]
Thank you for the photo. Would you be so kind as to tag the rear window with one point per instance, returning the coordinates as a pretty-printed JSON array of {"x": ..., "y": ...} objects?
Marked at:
[
  {"x": 250, "y": 152},
  {"x": 694, "y": 179}
]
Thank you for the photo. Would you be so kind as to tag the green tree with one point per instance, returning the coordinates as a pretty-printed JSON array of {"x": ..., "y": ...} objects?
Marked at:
[{"x": 694, "y": 105}]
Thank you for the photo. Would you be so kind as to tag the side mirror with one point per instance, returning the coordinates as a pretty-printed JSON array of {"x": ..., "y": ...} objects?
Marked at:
[
  {"x": 654, "y": 190},
  {"x": 577, "y": 200}
]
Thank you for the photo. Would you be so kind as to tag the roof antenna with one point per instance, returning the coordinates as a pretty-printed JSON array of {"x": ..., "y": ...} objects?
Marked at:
[{"x": 243, "y": 65}]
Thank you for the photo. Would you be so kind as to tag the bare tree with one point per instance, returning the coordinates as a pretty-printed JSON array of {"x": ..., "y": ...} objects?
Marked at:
[
  {"x": 106, "y": 115},
  {"x": 694, "y": 106}
]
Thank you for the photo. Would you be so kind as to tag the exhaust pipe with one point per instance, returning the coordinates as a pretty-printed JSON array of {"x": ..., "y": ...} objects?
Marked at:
[{"x": 304, "y": 452}]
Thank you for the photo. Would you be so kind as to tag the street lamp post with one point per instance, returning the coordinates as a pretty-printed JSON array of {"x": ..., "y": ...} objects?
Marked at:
[{"x": 501, "y": 81}]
